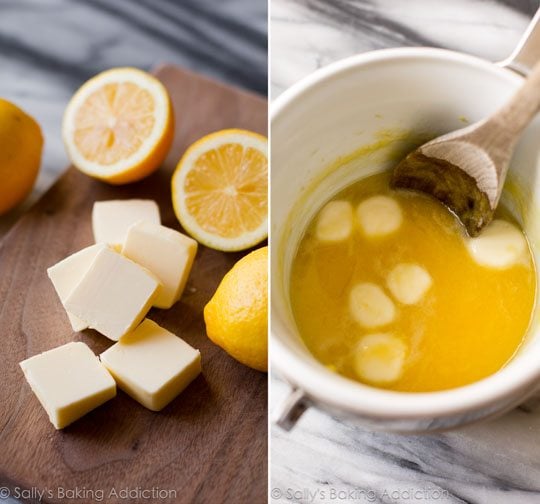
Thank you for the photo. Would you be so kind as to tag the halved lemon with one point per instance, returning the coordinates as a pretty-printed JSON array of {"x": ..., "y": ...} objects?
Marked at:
[
  {"x": 118, "y": 127},
  {"x": 220, "y": 190}
]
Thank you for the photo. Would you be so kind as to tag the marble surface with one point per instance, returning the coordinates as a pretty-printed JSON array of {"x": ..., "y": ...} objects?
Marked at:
[
  {"x": 48, "y": 49},
  {"x": 325, "y": 459}
]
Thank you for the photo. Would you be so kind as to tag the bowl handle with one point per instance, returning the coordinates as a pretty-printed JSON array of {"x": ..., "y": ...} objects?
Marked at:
[
  {"x": 527, "y": 52},
  {"x": 291, "y": 409}
]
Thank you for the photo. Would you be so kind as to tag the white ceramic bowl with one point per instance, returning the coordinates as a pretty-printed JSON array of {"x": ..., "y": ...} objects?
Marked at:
[{"x": 329, "y": 115}]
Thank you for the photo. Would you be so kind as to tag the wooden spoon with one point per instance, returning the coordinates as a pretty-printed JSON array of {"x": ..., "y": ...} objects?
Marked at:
[{"x": 466, "y": 169}]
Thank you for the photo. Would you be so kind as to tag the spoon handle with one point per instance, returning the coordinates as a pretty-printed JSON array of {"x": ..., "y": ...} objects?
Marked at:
[{"x": 517, "y": 113}]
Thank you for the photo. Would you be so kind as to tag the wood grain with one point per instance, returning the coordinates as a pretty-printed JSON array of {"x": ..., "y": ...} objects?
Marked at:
[
  {"x": 466, "y": 169},
  {"x": 208, "y": 445}
]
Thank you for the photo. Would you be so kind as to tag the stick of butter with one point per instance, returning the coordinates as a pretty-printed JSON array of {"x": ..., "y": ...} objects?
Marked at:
[
  {"x": 114, "y": 295},
  {"x": 165, "y": 252},
  {"x": 152, "y": 365},
  {"x": 66, "y": 274},
  {"x": 112, "y": 219},
  {"x": 69, "y": 381}
]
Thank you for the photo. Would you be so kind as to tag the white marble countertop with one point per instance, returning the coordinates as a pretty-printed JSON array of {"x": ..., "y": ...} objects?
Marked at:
[
  {"x": 48, "y": 49},
  {"x": 491, "y": 463}
]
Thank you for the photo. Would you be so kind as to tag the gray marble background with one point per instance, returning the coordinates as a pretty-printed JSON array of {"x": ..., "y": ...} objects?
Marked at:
[
  {"x": 48, "y": 48},
  {"x": 325, "y": 459}
]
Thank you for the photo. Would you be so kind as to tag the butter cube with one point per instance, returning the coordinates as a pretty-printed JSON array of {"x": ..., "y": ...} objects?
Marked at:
[
  {"x": 152, "y": 365},
  {"x": 69, "y": 381},
  {"x": 114, "y": 295},
  {"x": 112, "y": 219},
  {"x": 66, "y": 274},
  {"x": 166, "y": 253}
]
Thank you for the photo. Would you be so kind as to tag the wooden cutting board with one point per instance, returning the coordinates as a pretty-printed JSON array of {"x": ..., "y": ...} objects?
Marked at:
[{"x": 210, "y": 444}]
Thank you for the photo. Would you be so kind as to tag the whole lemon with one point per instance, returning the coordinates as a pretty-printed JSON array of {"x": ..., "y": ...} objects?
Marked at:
[
  {"x": 21, "y": 144},
  {"x": 237, "y": 315}
]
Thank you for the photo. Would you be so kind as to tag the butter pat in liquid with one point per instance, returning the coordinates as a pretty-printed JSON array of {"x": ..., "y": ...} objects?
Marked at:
[
  {"x": 379, "y": 216},
  {"x": 114, "y": 295},
  {"x": 66, "y": 274},
  {"x": 409, "y": 283},
  {"x": 380, "y": 358},
  {"x": 370, "y": 306},
  {"x": 112, "y": 219},
  {"x": 335, "y": 222},
  {"x": 165, "y": 252},
  {"x": 500, "y": 245},
  {"x": 69, "y": 381},
  {"x": 152, "y": 365}
]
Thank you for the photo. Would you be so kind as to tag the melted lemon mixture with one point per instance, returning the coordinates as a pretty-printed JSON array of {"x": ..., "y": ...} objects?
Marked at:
[{"x": 387, "y": 289}]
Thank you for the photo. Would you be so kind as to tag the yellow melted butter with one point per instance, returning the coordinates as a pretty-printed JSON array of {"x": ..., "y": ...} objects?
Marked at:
[{"x": 468, "y": 325}]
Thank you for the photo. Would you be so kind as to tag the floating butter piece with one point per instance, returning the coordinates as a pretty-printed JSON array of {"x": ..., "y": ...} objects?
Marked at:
[
  {"x": 166, "y": 253},
  {"x": 66, "y": 274},
  {"x": 379, "y": 358},
  {"x": 112, "y": 219},
  {"x": 409, "y": 282},
  {"x": 500, "y": 245},
  {"x": 335, "y": 221},
  {"x": 370, "y": 306},
  {"x": 69, "y": 381},
  {"x": 379, "y": 215},
  {"x": 114, "y": 295},
  {"x": 152, "y": 365}
]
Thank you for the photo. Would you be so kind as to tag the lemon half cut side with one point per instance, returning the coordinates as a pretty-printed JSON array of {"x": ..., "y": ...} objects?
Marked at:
[
  {"x": 220, "y": 190},
  {"x": 119, "y": 126}
]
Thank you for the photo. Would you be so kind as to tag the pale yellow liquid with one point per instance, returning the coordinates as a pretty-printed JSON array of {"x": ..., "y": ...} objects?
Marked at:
[{"x": 468, "y": 325}]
